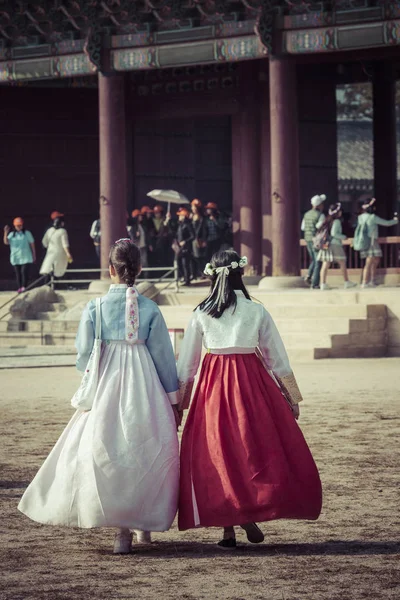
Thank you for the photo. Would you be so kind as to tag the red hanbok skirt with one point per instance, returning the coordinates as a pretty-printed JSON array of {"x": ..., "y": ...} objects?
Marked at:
[{"x": 243, "y": 457}]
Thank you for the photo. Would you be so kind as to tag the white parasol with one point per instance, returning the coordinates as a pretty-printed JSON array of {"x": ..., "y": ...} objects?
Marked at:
[{"x": 170, "y": 196}]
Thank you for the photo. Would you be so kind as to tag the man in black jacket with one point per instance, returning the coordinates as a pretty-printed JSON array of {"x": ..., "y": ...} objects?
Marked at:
[{"x": 184, "y": 236}]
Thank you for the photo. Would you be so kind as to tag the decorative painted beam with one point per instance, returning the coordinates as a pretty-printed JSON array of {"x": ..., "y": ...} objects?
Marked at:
[
  {"x": 178, "y": 55},
  {"x": 352, "y": 37},
  {"x": 54, "y": 67}
]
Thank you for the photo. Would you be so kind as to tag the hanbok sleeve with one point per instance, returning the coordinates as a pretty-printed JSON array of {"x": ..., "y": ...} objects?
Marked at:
[
  {"x": 336, "y": 230},
  {"x": 303, "y": 225},
  {"x": 385, "y": 222},
  {"x": 276, "y": 359},
  {"x": 45, "y": 240},
  {"x": 84, "y": 339},
  {"x": 162, "y": 353},
  {"x": 64, "y": 240},
  {"x": 189, "y": 360}
]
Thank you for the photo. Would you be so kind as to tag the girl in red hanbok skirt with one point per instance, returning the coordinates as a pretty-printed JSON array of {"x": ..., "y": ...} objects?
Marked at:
[{"x": 243, "y": 458}]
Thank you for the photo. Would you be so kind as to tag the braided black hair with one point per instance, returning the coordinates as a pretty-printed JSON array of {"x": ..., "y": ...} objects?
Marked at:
[{"x": 125, "y": 258}]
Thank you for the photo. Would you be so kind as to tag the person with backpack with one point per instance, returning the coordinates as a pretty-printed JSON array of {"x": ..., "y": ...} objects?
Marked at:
[
  {"x": 312, "y": 221},
  {"x": 331, "y": 250},
  {"x": 366, "y": 239}
]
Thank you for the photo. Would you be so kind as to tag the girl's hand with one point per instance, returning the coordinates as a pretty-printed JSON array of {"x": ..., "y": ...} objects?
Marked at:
[
  {"x": 177, "y": 415},
  {"x": 296, "y": 411},
  {"x": 7, "y": 229}
]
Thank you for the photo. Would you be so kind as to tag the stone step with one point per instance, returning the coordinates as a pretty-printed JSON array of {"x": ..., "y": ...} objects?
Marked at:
[
  {"x": 32, "y": 350},
  {"x": 34, "y": 326},
  {"x": 13, "y": 340},
  {"x": 350, "y": 311},
  {"x": 273, "y": 298}
]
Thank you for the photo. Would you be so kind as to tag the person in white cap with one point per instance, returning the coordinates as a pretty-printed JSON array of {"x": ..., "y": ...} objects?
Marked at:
[
  {"x": 312, "y": 220},
  {"x": 334, "y": 252}
]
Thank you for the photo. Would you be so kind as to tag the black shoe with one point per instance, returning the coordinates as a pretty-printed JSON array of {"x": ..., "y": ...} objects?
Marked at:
[
  {"x": 253, "y": 532},
  {"x": 228, "y": 544}
]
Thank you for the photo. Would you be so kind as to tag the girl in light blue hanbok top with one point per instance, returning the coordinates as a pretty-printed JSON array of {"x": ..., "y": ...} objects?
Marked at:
[{"x": 117, "y": 465}]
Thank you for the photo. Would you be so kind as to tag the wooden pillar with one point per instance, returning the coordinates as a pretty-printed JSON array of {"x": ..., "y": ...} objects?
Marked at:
[
  {"x": 385, "y": 150},
  {"x": 113, "y": 182},
  {"x": 246, "y": 170},
  {"x": 284, "y": 167}
]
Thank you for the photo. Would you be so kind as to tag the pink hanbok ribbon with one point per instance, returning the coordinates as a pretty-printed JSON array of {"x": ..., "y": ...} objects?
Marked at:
[{"x": 131, "y": 315}]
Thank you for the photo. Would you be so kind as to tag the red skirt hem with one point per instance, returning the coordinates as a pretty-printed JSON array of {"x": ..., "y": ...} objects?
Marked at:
[{"x": 243, "y": 456}]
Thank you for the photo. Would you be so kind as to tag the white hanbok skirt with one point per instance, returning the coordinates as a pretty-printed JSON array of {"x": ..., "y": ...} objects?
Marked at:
[{"x": 118, "y": 464}]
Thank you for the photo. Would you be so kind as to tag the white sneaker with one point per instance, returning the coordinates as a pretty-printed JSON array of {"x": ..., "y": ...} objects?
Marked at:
[
  {"x": 368, "y": 285},
  {"x": 123, "y": 542},
  {"x": 143, "y": 537},
  {"x": 349, "y": 284},
  {"x": 324, "y": 286}
]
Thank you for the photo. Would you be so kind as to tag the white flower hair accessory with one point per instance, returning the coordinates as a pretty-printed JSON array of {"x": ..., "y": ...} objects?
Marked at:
[{"x": 208, "y": 269}]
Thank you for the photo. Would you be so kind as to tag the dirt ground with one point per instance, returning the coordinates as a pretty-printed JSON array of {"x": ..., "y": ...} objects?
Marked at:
[{"x": 351, "y": 420}]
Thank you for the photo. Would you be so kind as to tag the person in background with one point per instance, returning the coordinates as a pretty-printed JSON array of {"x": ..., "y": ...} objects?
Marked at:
[
  {"x": 161, "y": 245},
  {"x": 138, "y": 235},
  {"x": 22, "y": 251},
  {"x": 148, "y": 226},
  {"x": 372, "y": 254},
  {"x": 199, "y": 245},
  {"x": 312, "y": 220},
  {"x": 184, "y": 238},
  {"x": 334, "y": 253},
  {"x": 215, "y": 229},
  {"x": 58, "y": 253},
  {"x": 95, "y": 234}
]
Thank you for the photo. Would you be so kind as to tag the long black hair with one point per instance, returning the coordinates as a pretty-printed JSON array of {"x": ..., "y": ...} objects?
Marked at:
[
  {"x": 223, "y": 284},
  {"x": 327, "y": 224}
]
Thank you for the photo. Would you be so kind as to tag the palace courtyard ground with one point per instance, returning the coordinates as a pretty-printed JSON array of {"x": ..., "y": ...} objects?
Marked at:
[{"x": 351, "y": 420}]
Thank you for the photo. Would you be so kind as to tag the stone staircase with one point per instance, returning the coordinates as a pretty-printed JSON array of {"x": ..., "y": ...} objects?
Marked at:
[
  {"x": 336, "y": 324},
  {"x": 313, "y": 325}
]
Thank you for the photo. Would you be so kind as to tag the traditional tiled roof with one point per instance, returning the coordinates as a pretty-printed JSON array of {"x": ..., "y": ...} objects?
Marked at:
[{"x": 355, "y": 153}]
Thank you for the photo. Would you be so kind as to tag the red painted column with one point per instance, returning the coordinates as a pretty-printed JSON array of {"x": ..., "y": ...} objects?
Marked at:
[
  {"x": 246, "y": 170},
  {"x": 113, "y": 180},
  {"x": 284, "y": 168},
  {"x": 385, "y": 151}
]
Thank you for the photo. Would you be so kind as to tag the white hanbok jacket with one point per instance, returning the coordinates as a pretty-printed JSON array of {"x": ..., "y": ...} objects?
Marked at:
[
  {"x": 56, "y": 259},
  {"x": 239, "y": 330}
]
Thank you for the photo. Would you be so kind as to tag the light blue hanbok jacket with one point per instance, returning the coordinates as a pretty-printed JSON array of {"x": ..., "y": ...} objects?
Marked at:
[{"x": 152, "y": 331}]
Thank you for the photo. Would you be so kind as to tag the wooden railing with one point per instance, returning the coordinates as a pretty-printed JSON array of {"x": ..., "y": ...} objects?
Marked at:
[{"x": 390, "y": 261}]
